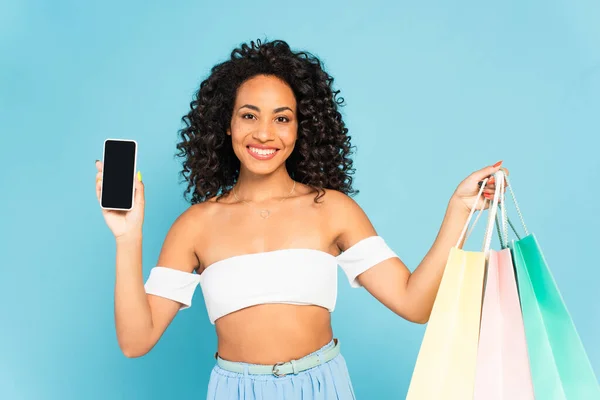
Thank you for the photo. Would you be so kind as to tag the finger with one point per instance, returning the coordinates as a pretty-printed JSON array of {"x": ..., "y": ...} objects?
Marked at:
[
  {"x": 99, "y": 165},
  {"x": 490, "y": 181},
  {"x": 486, "y": 172},
  {"x": 506, "y": 173},
  {"x": 491, "y": 197},
  {"x": 492, "y": 188},
  {"x": 139, "y": 190},
  {"x": 98, "y": 188},
  {"x": 98, "y": 180}
]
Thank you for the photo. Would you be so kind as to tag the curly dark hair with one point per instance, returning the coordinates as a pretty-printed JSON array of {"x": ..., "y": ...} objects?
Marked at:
[{"x": 321, "y": 156}]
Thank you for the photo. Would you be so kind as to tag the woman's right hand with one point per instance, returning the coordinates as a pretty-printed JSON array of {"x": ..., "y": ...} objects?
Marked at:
[{"x": 123, "y": 223}]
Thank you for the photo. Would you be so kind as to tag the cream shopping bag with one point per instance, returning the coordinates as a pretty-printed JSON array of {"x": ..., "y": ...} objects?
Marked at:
[{"x": 445, "y": 367}]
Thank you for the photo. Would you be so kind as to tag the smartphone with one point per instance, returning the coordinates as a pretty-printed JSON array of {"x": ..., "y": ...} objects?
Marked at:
[{"x": 118, "y": 174}]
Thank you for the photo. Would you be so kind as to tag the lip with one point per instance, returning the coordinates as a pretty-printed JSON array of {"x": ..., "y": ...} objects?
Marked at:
[{"x": 261, "y": 156}]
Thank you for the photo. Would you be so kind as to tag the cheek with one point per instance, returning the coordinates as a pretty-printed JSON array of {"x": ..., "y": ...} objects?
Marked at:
[
  {"x": 238, "y": 133},
  {"x": 289, "y": 136}
]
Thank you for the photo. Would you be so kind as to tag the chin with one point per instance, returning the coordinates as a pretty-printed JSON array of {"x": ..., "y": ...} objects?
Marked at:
[{"x": 262, "y": 167}]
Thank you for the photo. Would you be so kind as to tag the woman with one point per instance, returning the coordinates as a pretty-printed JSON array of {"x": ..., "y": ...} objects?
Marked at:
[{"x": 266, "y": 158}]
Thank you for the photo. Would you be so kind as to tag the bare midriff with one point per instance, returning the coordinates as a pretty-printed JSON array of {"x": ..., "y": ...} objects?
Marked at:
[{"x": 272, "y": 333}]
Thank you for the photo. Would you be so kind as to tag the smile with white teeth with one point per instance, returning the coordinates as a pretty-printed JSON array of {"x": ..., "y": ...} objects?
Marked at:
[{"x": 262, "y": 152}]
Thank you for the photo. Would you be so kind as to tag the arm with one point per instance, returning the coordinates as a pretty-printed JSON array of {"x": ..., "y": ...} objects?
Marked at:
[
  {"x": 142, "y": 318},
  {"x": 411, "y": 295}
]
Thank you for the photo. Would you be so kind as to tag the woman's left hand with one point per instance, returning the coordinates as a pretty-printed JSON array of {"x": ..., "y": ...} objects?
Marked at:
[{"x": 465, "y": 194}]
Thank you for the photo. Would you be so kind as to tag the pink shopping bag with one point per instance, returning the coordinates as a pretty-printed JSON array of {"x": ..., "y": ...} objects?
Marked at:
[{"x": 502, "y": 371}]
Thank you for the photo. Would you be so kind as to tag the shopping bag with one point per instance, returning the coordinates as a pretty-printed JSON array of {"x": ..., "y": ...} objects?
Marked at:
[
  {"x": 502, "y": 361},
  {"x": 445, "y": 366},
  {"x": 560, "y": 368}
]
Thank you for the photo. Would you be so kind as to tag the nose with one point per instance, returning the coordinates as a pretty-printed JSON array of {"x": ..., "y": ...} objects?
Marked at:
[{"x": 264, "y": 132}]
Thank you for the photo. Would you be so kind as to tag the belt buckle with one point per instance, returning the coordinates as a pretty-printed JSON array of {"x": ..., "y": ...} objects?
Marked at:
[{"x": 275, "y": 370}]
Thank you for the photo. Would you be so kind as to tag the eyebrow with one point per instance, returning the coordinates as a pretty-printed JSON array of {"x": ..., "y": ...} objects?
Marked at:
[{"x": 279, "y": 109}]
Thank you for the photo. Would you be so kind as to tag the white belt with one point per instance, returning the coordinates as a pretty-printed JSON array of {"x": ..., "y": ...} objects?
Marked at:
[{"x": 281, "y": 369}]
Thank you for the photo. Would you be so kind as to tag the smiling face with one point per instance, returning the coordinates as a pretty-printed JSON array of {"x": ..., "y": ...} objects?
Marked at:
[{"x": 264, "y": 126}]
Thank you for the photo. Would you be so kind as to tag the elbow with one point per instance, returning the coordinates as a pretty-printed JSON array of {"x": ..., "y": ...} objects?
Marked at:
[
  {"x": 417, "y": 318},
  {"x": 420, "y": 320},
  {"x": 423, "y": 317},
  {"x": 130, "y": 352},
  {"x": 134, "y": 349}
]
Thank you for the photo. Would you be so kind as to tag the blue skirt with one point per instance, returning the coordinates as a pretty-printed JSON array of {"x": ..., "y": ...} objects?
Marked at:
[{"x": 328, "y": 381}]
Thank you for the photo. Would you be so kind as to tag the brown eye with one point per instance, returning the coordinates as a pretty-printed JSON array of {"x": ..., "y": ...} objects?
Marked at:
[
  {"x": 245, "y": 116},
  {"x": 283, "y": 119}
]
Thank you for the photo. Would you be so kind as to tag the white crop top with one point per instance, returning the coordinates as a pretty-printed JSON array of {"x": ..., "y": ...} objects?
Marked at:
[{"x": 290, "y": 276}]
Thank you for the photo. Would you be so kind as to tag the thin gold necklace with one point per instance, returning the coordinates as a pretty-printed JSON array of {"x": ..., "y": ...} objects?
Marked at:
[{"x": 263, "y": 212}]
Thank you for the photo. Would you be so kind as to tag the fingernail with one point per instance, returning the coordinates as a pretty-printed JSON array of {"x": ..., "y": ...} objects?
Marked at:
[
  {"x": 96, "y": 161},
  {"x": 497, "y": 164},
  {"x": 139, "y": 176}
]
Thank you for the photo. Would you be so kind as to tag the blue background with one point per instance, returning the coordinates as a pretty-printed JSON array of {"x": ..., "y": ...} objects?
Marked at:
[{"x": 433, "y": 90}]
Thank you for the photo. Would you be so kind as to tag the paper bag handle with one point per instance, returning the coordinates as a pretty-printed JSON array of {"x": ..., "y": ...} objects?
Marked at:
[
  {"x": 464, "y": 234},
  {"x": 499, "y": 177},
  {"x": 489, "y": 231},
  {"x": 503, "y": 235}
]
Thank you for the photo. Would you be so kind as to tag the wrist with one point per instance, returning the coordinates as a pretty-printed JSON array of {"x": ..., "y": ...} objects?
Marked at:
[
  {"x": 129, "y": 238},
  {"x": 457, "y": 206}
]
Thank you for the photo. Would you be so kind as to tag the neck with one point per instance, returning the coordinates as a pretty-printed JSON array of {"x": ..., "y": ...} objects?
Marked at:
[{"x": 262, "y": 188}]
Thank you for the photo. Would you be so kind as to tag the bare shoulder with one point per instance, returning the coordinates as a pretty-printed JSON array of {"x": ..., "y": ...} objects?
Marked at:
[
  {"x": 187, "y": 222},
  {"x": 347, "y": 218},
  {"x": 336, "y": 198},
  {"x": 178, "y": 249},
  {"x": 340, "y": 205}
]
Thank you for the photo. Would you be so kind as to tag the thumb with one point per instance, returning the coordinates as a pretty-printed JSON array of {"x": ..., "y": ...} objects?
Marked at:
[
  {"x": 486, "y": 172},
  {"x": 139, "y": 190}
]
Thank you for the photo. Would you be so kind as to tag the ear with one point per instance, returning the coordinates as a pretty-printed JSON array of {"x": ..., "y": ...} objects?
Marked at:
[{"x": 228, "y": 132}]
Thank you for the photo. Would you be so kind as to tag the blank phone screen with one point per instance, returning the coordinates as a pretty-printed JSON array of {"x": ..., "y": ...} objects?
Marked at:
[{"x": 118, "y": 170}]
